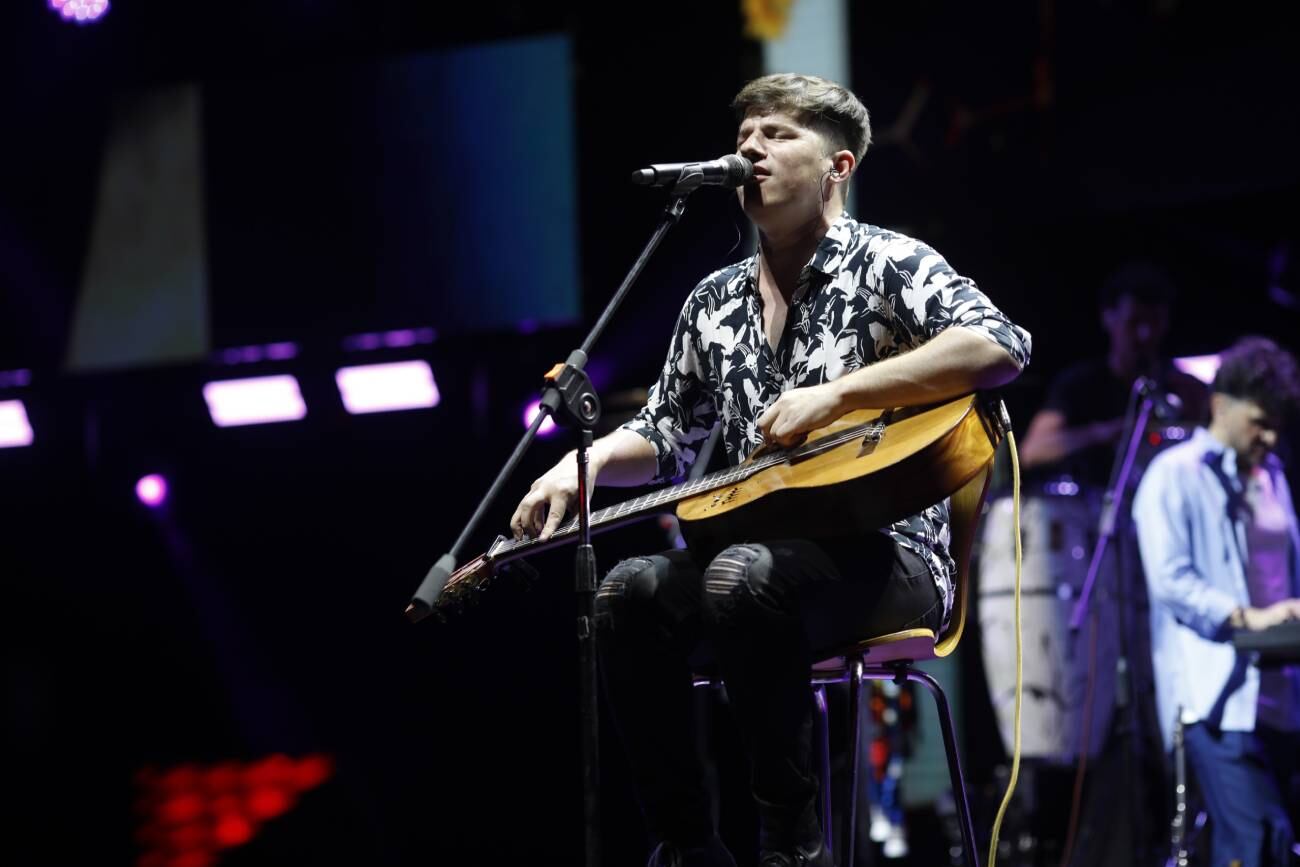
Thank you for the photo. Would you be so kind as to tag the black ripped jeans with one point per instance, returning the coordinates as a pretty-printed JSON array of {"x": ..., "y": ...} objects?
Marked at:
[{"x": 759, "y": 612}]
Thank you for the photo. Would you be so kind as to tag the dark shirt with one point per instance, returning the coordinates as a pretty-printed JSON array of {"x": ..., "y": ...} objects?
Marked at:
[{"x": 1088, "y": 392}]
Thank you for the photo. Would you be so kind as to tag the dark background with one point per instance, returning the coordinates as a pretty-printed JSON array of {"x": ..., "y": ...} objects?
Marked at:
[{"x": 261, "y": 611}]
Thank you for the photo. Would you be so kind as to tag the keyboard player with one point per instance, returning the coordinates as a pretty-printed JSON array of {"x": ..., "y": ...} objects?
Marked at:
[{"x": 1221, "y": 551}]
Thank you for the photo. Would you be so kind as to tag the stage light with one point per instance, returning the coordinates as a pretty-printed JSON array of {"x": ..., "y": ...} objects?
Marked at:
[
  {"x": 387, "y": 387},
  {"x": 252, "y": 354},
  {"x": 256, "y": 400},
  {"x": 15, "y": 429},
  {"x": 191, "y": 815},
  {"x": 396, "y": 339},
  {"x": 530, "y": 412},
  {"x": 1203, "y": 367},
  {"x": 80, "y": 11},
  {"x": 152, "y": 490}
]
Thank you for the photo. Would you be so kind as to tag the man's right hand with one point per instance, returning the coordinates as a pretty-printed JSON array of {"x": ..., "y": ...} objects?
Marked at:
[
  {"x": 551, "y": 497},
  {"x": 1256, "y": 619}
]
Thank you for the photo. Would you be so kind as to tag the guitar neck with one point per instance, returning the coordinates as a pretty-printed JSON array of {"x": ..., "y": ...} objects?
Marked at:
[{"x": 628, "y": 511}]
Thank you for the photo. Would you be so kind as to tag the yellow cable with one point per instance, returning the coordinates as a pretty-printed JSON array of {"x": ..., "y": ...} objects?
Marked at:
[{"x": 1015, "y": 750}]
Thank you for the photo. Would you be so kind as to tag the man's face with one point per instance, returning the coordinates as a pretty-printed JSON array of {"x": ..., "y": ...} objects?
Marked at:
[
  {"x": 1244, "y": 427},
  {"x": 790, "y": 165},
  {"x": 1136, "y": 328}
]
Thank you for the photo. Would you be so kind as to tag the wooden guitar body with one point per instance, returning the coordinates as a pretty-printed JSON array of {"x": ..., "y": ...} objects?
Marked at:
[{"x": 903, "y": 462}]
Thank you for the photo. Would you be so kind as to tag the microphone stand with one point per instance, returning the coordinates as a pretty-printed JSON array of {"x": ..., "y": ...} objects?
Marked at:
[
  {"x": 1121, "y": 470},
  {"x": 569, "y": 394}
]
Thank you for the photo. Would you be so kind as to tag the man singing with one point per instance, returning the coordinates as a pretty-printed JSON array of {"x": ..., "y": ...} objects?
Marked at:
[
  {"x": 1217, "y": 530},
  {"x": 831, "y": 315}
]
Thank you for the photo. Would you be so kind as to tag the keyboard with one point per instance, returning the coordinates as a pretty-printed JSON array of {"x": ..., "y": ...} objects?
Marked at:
[{"x": 1277, "y": 645}]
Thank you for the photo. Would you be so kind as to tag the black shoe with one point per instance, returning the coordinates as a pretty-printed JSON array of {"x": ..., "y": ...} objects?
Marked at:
[
  {"x": 712, "y": 854},
  {"x": 816, "y": 855}
]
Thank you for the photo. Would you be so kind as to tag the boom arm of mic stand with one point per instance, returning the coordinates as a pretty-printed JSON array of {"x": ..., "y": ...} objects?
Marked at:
[{"x": 421, "y": 604}]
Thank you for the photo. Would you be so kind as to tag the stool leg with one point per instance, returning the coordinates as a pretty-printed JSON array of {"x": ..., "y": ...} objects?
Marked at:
[
  {"x": 954, "y": 763},
  {"x": 823, "y": 716},
  {"x": 855, "y": 744}
]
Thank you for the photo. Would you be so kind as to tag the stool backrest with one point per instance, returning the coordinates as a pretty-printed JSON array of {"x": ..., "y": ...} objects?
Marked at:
[{"x": 964, "y": 511}]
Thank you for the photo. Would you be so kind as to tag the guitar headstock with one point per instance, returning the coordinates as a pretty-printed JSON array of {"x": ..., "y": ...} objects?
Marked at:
[
  {"x": 463, "y": 586},
  {"x": 466, "y": 584}
]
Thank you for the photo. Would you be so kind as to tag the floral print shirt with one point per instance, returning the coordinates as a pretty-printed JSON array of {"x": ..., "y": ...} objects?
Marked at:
[{"x": 867, "y": 294}]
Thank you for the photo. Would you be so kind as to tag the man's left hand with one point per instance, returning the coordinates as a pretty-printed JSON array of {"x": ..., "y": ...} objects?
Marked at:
[{"x": 798, "y": 411}]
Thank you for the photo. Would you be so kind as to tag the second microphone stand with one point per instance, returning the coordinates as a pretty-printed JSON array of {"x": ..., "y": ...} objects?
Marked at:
[{"x": 1143, "y": 397}]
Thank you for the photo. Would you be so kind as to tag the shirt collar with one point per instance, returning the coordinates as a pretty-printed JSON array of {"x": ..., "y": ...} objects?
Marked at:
[
  {"x": 1216, "y": 453},
  {"x": 829, "y": 255}
]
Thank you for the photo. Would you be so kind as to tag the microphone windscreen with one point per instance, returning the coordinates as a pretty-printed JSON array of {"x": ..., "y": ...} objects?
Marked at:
[{"x": 739, "y": 170}]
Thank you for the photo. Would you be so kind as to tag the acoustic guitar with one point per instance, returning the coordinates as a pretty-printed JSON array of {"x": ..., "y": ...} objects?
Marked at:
[{"x": 864, "y": 471}]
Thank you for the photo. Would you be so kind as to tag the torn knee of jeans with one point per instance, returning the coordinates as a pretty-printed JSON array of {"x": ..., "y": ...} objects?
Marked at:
[
  {"x": 631, "y": 579},
  {"x": 740, "y": 578}
]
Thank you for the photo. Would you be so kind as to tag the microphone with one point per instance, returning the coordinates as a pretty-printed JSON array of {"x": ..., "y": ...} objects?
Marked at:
[
  {"x": 1165, "y": 405},
  {"x": 732, "y": 170}
]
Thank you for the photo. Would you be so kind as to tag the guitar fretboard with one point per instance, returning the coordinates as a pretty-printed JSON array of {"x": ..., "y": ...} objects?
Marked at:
[{"x": 656, "y": 500}]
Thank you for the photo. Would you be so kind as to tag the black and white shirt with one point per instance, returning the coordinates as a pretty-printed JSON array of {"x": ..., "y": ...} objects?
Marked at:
[{"x": 867, "y": 294}]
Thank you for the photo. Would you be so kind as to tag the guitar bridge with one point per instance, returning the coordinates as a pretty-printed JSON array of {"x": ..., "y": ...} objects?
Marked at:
[{"x": 875, "y": 432}]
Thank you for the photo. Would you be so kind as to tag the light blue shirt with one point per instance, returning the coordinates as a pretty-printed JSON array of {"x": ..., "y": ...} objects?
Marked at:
[{"x": 1193, "y": 542}]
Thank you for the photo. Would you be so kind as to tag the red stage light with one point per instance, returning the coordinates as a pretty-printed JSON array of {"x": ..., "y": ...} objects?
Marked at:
[
  {"x": 232, "y": 829},
  {"x": 182, "y": 808},
  {"x": 189, "y": 813}
]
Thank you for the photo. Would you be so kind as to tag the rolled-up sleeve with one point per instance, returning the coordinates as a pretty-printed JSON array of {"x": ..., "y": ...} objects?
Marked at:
[
  {"x": 1160, "y": 511},
  {"x": 927, "y": 296},
  {"x": 680, "y": 411}
]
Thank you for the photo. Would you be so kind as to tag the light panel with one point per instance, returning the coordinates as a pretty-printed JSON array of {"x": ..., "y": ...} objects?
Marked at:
[
  {"x": 1203, "y": 367},
  {"x": 387, "y": 387},
  {"x": 255, "y": 400},
  {"x": 15, "y": 429}
]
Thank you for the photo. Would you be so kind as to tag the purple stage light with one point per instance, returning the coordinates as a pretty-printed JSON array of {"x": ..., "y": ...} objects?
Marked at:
[
  {"x": 396, "y": 339},
  {"x": 15, "y": 429},
  {"x": 387, "y": 387},
  {"x": 80, "y": 11},
  {"x": 1203, "y": 367},
  {"x": 530, "y": 412},
  {"x": 281, "y": 351},
  {"x": 15, "y": 378},
  {"x": 403, "y": 337},
  {"x": 152, "y": 490},
  {"x": 256, "y": 400}
]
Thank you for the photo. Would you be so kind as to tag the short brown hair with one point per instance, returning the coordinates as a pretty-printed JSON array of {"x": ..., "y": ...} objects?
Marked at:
[{"x": 815, "y": 102}]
